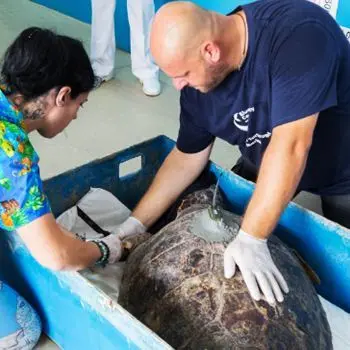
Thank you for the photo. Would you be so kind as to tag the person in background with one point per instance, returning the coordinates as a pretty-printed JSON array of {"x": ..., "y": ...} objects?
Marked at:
[
  {"x": 46, "y": 78},
  {"x": 140, "y": 14}
]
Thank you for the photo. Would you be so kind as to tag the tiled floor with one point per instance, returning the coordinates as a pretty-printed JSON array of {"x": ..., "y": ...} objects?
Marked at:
[{"x": 116, "y": 116}]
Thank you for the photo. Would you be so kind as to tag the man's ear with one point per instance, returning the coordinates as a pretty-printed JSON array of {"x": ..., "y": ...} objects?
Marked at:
[
  {"x": 63, "y": 96},
  {"x": 210, "y": 52}
]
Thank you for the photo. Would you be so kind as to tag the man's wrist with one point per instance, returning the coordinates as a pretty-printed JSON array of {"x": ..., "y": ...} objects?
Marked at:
[{"x": 251, "y": 237}]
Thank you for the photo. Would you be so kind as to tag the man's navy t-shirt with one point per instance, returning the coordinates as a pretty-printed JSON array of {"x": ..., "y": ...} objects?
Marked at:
[{"x": 298, "y": 64}]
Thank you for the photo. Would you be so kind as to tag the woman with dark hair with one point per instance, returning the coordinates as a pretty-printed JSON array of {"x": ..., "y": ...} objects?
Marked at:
[{"x": 45, "y": 79}]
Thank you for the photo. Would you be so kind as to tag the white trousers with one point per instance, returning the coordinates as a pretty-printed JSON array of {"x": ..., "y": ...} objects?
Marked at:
[{"x": 140, "y": 14}]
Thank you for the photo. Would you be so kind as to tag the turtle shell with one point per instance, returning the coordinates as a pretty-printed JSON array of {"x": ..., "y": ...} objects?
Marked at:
[{"x": 174, "y": 284}]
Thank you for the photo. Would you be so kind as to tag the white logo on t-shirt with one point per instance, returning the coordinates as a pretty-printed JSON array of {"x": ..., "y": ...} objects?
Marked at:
[
  {"x": 250, "y": 141},
  {"x": 241, "y": 119}
]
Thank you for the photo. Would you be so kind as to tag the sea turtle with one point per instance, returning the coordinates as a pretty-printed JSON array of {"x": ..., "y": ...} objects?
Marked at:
[{"x": 174, "y": 284}]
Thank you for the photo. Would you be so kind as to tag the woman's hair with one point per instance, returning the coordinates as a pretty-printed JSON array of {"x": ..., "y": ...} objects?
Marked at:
[{"x": 39, "y": 60}]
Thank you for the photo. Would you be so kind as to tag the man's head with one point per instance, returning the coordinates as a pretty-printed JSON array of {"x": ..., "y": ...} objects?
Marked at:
[
  {"x": 190, "y": 45},
  {"x": 48, "y": 76}
]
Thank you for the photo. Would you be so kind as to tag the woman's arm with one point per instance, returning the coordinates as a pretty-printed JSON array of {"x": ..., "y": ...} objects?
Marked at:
[{"x": 55, "y": 249}]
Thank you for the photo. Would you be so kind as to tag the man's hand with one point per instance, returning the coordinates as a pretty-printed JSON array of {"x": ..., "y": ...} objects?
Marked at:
[
  {"x": 253, "y": 257},
  {"x": 130, "y": 227}
]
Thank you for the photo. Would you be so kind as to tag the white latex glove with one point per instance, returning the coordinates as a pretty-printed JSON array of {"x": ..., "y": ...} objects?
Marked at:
[
  {"x": 130, "y": 227},
  {"x": 253, "y": 257},
  {"x": 115, "y": 248}
]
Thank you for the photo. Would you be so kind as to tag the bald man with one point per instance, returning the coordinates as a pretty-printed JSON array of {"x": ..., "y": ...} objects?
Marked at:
[{"x": 272, "y": 77}]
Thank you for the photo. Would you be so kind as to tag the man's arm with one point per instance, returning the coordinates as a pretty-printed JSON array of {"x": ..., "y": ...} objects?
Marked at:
[
  {"x": 181, "y": 167},
  {"x": 177, "y": 172},
  {"x": 282, "y": 167},
  {"x": 302, "y": 85}
]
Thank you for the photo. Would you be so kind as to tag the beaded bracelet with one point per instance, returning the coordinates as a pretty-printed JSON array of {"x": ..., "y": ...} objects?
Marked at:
[{"x": 105, "y": 252}]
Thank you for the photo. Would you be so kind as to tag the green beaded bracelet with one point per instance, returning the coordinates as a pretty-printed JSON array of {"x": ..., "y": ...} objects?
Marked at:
[{"x": 105, "y": 253}]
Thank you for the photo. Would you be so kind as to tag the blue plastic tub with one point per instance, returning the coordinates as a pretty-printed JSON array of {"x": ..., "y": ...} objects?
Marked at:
[{"x": 77, "y": 316}]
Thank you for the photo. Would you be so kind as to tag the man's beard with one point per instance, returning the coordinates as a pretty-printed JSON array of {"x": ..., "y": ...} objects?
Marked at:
[{"x": 217, "y": 74}]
